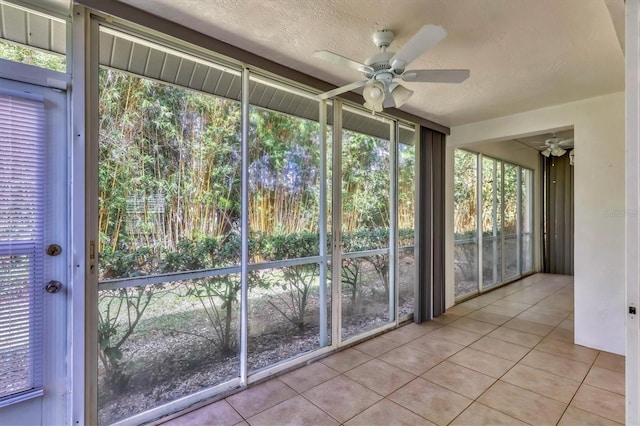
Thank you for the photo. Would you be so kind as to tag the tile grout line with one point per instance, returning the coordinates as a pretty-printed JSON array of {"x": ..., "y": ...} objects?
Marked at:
[
  {"x": 518, "y": 362},
  {"x": 546, "y": 337}
]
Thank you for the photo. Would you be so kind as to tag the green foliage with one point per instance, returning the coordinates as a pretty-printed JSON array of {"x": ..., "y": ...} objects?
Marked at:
[
  {"x": 170, "y": 201},
  {"x": 217, "y": 295},
  {"x": 365, "y": 188},
  {"x": 493, "y": 186},
  {"x": 119, "y": 312},
  {"x": 290, "y": 246},
  {"x": 126, "y": 262},
  {"x": 32, "y": 56},
  {"x": 293, "y": 284}
]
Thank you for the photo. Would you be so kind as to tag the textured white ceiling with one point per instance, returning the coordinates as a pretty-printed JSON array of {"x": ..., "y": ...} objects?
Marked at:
[{"x": 523, "y": 54}]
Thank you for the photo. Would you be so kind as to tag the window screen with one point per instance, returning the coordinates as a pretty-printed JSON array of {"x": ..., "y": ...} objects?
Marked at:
[{"x": 22, "y": 196}]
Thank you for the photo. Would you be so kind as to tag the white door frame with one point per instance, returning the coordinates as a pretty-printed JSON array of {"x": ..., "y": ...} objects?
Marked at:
[{"x": 632, "y": 216}]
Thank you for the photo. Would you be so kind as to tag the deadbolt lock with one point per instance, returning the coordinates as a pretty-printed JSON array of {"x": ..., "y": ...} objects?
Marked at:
[
  {"x": 54, "y": 249},
  {"x": 53, "y": 286}
]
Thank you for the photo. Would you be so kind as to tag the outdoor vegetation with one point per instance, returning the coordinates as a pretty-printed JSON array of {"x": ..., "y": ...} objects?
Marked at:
[
  {"x": 499, "y": 188},
  {"x": 170, "y": 238},
  {"x": 170, "y": 248},
  {"x": 30, "y": 56}
]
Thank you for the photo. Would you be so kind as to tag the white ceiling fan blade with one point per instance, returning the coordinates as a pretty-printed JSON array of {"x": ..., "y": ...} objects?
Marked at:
[
  {"x": 426, "y": 37},
  {"x": 566, "y": 143},
  {"x": 341, "y": 60},
  {"x": 342, "y": 89},
  {"x": 436, "y": 76}
]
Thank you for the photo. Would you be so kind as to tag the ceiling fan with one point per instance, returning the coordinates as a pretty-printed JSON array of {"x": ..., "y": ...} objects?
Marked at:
[
  {"x": 384, "y": 69},
  {"x": 556, "y": 146}
]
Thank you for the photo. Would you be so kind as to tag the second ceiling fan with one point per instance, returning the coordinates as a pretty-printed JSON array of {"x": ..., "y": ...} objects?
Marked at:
[
  {"x": 385, "y": 69},
  {"x": 555, "y": 146}
]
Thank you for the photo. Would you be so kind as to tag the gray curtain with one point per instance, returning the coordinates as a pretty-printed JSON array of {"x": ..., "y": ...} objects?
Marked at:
[
  {"x": 557, "y": 215},
  {"x": 429, "y": 300}
]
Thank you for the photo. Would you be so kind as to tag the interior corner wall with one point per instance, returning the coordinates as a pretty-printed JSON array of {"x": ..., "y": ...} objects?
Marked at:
[{"x": 599, "y": 240}]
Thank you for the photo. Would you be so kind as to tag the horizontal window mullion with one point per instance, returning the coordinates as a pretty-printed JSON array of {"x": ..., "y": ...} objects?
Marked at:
[
  {"x": 165, "y": 278},
  {"x": 365, "y": 253},
  {"x": 285, "y": 263}
]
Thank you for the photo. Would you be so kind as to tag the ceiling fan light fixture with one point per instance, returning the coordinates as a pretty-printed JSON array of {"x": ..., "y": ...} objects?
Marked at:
[
  {"x": 373, "y": 107},
  {"x": 557, "y": 151},
  {"x": 546, "y": 152},
  {"x": 374, "y": 96},
  {"x": 400, "y": 95}
]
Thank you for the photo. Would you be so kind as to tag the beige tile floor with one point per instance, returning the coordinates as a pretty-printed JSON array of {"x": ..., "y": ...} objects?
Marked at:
[{"x": 504, "y": 358}]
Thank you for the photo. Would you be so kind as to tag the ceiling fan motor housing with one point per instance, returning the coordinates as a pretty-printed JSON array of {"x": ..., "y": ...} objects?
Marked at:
[
  {"x": 383, "y": 38},
  {"x": 379, "y": 62}
]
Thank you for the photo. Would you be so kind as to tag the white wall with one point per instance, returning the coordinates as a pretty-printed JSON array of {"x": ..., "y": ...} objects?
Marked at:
[
  {"x": 599, "y": 238},
  {"x": 508, "y": 150}
]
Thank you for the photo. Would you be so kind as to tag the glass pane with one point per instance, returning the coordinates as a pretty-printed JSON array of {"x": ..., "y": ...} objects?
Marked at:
[
  {"x": 169, "y": 177},
  {"x": 365, "y": 189},
  {"x": 284, "y": 185},
  {"x": 30, "y": 56},
  {"x": 465, "y": 221},
  {"x": 158, "y": 343},
  {"x": 365, "y": 294},
  {"x": 287, "y": 304},
  {"x": 510, "y": 221},
  {"x": 169, "y": 182},
  {"x": 491, "y": 222},
  {"x": 526, "y": 220},
  {"x": 285, "y": 314},
  {"x": 365, "y": 226},
  {"x": 406, "y": 231},
  {"x": 407, "y": 276}
]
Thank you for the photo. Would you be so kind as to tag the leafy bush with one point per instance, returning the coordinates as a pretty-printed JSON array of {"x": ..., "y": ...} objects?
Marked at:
[
  {"x": 292, "y": 287},
  {"x": 121, "y": 309},
  {"x": 289, "y": 289},
  {"x": 218, "y": 295}
]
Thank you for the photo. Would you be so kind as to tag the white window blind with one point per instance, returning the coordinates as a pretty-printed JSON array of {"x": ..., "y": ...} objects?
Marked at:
[{"x": 22, "y": 201}]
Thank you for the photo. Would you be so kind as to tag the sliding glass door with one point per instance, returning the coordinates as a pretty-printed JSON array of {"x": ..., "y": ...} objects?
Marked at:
[
  {"x": 367, "y": 298},
  {"x": 170, "y": 249},
  {"x": 288, "y": 302}
]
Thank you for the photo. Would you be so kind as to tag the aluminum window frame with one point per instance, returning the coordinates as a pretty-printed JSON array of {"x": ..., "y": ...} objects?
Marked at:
[
  {"x": 502, "y": 236},
  {"x": 246, "y": 378}
]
